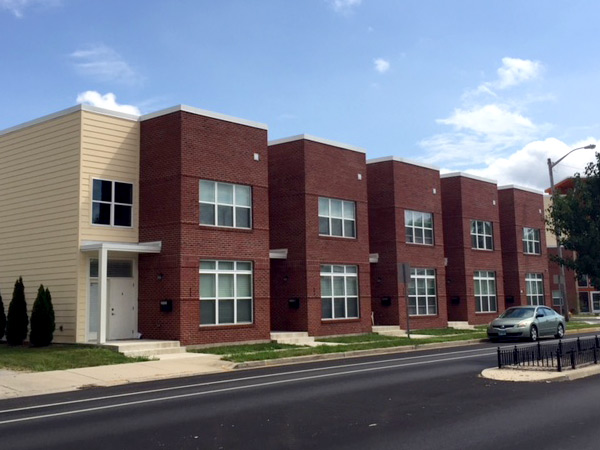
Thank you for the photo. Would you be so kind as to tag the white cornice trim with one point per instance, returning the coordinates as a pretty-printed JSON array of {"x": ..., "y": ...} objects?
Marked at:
[
  {"x": 402, "y": 160},
  {"x": 520, "y": 188},
  {"x": 467, "y": 175},
  {"x": 205, "y": 113},
  {"x": 309, "y": 137},
  {"x": 142, "y": 247},
  {"x": 71, "y": 110}
]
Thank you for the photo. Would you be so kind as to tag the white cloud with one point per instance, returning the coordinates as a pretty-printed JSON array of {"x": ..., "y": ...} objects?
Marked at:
[
  {"x": 381, "y": 65},
  {"x": 344, "y": 6},
  {"x": 529, "y": 166},
  {"x": 17, "y": 7},
  {"x": 515, "y": 71},
  {"x": 102, "y": 63},
  {"x": 489, "y": 119},
  {"x": 107, "y": 101}
]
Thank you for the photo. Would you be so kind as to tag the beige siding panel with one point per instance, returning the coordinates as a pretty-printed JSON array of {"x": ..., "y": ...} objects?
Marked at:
[
  {"x": 110, "y": 151},
  {"x": 39, "y": 201}
]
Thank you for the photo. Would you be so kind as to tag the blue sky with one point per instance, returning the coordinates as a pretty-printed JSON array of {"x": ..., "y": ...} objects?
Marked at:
[{"x": 489, "y": 87}]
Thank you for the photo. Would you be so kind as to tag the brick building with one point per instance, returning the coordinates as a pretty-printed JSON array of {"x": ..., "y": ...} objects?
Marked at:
[
  {"x": 204, "y": 194},
  {"x": 318, "y": 218},
  {"x": 524, "y": 252},
  {"x": 474, "y": 274},
  {"x": 406, "y": 227}
]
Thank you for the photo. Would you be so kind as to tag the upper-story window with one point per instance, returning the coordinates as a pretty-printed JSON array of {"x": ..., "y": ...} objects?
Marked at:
[
  {"x": 225, "y": 204},
  {"x": 337, "y": 217},
  {"x": 531, "y": 241},
  {"x": 482, "y": 235},
  {"x": 419, "y": 227},
  {"x": 112, "y": 203}
]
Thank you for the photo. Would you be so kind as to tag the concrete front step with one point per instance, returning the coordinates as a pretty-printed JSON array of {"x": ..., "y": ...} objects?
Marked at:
[
  {"x": 148, "y": 348},
  {"x": 293, "y": 338},
  {"x": 461, "y": 325}
]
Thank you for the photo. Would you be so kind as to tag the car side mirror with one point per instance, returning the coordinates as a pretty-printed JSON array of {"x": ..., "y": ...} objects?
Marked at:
[{"x": 539, "y": 315}]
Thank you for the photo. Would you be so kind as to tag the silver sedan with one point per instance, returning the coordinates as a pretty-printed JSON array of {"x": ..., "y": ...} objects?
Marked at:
[{"x": 530, "y": 322}]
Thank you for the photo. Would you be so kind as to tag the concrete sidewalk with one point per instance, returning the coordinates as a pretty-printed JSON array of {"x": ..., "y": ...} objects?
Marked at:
[{"x": 22, "y": 384}]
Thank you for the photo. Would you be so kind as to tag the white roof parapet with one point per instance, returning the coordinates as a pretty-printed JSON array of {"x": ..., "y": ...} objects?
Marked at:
[
  {"x": 521, "y": 188},
  {"x": 402, "y": 160},
  {"x": 142, "y": 247},
  {"x": 309, "y": 137},
  {"x": 467, "y": 175},
  {"x": 203, "y": 112},
  {"x": 71, "y": 110},
  {"x": 279, "y": 253}
]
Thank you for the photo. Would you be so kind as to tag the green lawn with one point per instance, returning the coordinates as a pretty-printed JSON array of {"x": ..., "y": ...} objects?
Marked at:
[{"x": 58, "y": 357}]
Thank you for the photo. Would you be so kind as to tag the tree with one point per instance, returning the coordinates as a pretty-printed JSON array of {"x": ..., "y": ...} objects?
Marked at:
[
  {"x": 17, "y": 320},
  {"x": 42, "y": 319},
  {"x": 575, "y": 215},
  {"x": 2, "y": 319}
]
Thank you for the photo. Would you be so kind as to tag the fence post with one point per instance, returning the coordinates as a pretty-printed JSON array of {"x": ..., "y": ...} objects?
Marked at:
[
  {"x": 516, "y": 356},
  {"x": 578, "y": 345},
  {"x": 595, "y": 355},
  {"x": 559, "y": 358},
  {"x": 596, "y": 340},
  {"x": 573, "y": 360},
  {"x": 500, "y": 359},
  {"x": 539, "y": 349}
]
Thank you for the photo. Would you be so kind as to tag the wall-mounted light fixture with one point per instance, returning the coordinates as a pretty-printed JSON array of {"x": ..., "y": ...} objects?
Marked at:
[{"x": 160, "y": 276}]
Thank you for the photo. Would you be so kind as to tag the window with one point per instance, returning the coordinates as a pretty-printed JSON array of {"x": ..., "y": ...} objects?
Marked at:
[
  {"x": 422, "y": 299},
  {"x": 112, "y": 203},
  {"x": 419, "y": 227},
  {"x": 485, "y": 291},
  {"x": 337, "y": 218},
  {"x": 225, "y": 205},
  {"x": 557, "y": 298},
  {"x": 225, "y": 292},
  {"x": 481, "y": 235},
  {"x": 115, "y": 268},
  {"x": 339, "y": 292},
  {"x": 583, "y": 281},
  {"x": 534, "y": 284},
  {"x": 531, "y": 241}
]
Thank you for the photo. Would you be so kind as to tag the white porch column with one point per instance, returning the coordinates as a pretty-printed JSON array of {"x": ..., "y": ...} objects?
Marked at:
[{"x": 102, "y": 292}]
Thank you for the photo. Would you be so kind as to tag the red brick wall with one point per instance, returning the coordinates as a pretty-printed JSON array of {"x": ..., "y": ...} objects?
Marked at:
[
  {"x": 300, "y": 172},
  {"x": 465, "y": 199},
  {"x": 519, "y": 209},
  {"x": 178, "y": 150},
  {"x": 395, "y": 187}
]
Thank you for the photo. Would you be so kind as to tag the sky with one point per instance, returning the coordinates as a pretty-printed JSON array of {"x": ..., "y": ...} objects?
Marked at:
[{"x": 493, "y": 88}]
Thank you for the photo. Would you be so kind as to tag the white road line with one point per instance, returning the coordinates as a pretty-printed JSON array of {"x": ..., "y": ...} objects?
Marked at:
[
  {"x": 234, "y": 388},
  {"x": 255, "y": 377}
]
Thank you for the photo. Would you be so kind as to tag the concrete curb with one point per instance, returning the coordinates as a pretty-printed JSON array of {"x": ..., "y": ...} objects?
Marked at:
[{"x": 518, "y": 375}]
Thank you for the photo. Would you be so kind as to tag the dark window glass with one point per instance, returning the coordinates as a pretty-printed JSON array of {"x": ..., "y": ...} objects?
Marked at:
[
  {"x": 101, "y": 213},
  {"x": 242, "y": 217},
  {"x": 207, "y": 214},
  {"x": 122, "y": 216},
  {"x": 123, "y": 193},
  {"x": 102, "y": 190},
  {"x": 225, "y": 216}
]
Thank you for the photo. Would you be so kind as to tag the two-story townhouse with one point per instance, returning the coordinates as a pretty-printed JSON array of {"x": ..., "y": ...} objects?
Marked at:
[
  {"x": 406, "y": 228},
  {"x": 524, "y": 253},
  {"x": 472, "y": 243},
  {"x": 319, "y": 226}
]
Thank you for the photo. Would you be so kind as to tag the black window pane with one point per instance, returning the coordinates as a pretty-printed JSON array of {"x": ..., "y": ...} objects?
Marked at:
[
  {"x": 207, "y": 214},
  {"x": 101, "y": 213},
  {"x": 225, "y": 216},
  {"x": 326, "y": 311},
  {"x": 336, "y": 227},
  {"x": 124, "y": 193},
  {"x": 323, "y": 225},
  {"x": 242, "y": 217},
  {"x": 226, "y": 311},
  {"x": 122, "y": 216},
  {"x": 349, "y": 228},
  {"x": 102, "y": 190},
  {"x": 207, "y": 312}
]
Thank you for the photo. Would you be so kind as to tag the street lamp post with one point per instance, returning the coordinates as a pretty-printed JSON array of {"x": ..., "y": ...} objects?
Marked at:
[{"x": 561, "y": 281}]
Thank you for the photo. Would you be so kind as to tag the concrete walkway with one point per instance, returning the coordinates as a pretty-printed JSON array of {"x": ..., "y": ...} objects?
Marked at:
[{"x": 22, "y": 384}]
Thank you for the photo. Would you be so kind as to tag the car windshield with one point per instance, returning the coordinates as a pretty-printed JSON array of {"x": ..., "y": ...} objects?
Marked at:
[{"x": 517, "y": 313}]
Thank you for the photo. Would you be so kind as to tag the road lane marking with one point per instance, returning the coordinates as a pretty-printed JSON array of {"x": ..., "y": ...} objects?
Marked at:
[{"x": 231, "y": 389}]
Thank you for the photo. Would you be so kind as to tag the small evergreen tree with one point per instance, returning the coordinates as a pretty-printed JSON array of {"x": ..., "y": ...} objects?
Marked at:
[
  {"x": 17, "y": 320},
  {"x": 42, "y": 319},
  {"x": 2, "y": 319}
]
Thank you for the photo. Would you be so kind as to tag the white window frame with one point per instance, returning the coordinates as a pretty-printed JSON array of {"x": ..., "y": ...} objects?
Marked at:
[
  {"x": 329, "y": 272},
  {"x": 235, "y": 205},
  {"x": 348, "y": 216},
  {"x": 486, "y": 298},
  {"x": 112, "y": 203},
  {"x": 534, "y": 289},
  {"x": 217, "y": 272},
  {"x": 419, "y": 292},
  {"x": 418, "y": 234},
  {"x": 531, "y": 241},
  {"x": 480, "y": 239}
]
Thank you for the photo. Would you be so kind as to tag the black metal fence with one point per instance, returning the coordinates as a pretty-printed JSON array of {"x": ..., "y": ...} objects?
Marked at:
[{"x": 559, "y": 356}]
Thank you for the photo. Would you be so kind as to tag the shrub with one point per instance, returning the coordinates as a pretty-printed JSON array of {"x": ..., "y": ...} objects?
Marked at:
[
  {"x": 17, "y": 320},
  {"x": 42, "y": 319},
  {"x": 2, "y": 319}
]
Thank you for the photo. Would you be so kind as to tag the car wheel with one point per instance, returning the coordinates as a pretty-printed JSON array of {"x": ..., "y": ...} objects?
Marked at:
[
  {"x": 560, "y": 331},
  {"x": 533, "y": 333}
]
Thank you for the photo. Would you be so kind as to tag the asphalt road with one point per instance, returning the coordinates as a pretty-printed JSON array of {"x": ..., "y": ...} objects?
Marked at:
[{"x": 424, "y": 400}]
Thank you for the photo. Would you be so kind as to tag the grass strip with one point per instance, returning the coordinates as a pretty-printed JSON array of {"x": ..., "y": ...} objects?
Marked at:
[{"x": 59, "y": 357}]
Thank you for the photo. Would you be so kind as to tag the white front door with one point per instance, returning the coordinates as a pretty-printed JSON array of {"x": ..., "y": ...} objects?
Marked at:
[{"x": 122, "y": 308}]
